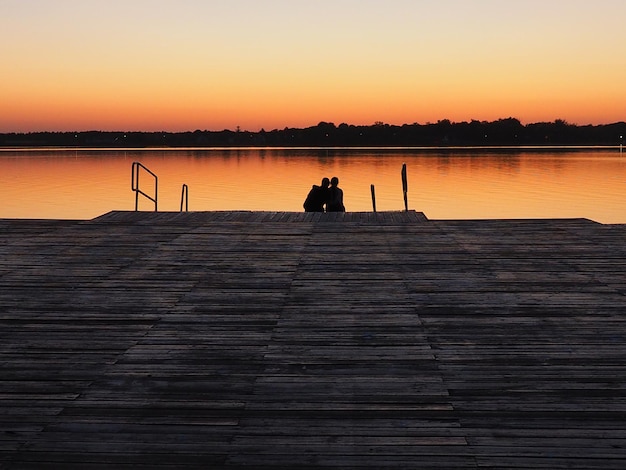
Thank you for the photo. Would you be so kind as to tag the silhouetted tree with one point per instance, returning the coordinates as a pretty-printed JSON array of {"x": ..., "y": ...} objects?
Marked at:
[{"x": 507, "y": 131}]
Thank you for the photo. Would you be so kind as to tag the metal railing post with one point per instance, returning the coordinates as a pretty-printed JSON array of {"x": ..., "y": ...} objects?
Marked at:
[{"x": 134, "y": 184}]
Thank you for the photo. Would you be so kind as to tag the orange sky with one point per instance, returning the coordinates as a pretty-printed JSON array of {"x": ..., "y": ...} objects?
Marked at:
[{"x": 195, "y": 64}]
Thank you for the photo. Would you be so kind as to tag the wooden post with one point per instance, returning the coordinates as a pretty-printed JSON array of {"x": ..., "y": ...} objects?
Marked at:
[
  {"x": 373, "y": 198},
  {"x": 405, "y": 187},
  {"x": 184, "y": 197}
]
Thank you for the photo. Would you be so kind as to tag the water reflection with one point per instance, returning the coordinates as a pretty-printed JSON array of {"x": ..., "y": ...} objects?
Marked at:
[{"x": 444, "y": 185}]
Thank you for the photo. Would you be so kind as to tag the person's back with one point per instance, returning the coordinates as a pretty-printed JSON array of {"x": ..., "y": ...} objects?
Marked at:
[
  {"x": 335, "y": 201},
  {"x": 317, "y": 197}
]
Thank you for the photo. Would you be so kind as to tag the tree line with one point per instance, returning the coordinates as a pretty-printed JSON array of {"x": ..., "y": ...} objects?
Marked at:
[{"x": 502, "y": 132}]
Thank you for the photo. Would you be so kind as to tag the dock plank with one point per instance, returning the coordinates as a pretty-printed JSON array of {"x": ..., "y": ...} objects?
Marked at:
[{"x": 307, "y": 340}]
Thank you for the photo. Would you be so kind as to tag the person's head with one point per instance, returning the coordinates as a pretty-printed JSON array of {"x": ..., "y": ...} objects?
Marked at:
[
  {"x": 325, "y": 182},
  {"x": 334, "y": 181}
]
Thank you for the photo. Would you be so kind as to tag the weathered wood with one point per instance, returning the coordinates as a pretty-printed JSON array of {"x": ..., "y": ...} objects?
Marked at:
[{"x": 310, "y": 340}]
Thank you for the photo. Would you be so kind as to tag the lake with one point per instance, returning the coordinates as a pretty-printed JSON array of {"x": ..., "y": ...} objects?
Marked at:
[{"x": 458, "y": 183}]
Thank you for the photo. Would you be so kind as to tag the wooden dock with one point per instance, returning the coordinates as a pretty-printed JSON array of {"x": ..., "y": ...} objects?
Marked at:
[{"x": 272, "y": 340}]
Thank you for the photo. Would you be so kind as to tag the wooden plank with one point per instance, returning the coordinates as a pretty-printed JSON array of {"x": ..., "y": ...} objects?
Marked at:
[{"x": 282, "y": 339}]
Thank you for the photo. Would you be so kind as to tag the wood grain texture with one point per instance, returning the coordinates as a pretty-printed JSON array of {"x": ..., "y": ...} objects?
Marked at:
[{"x": 289, "y": 340}]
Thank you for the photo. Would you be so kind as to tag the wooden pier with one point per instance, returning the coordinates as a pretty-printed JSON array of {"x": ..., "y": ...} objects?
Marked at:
[{"x": 272, "y": 340}]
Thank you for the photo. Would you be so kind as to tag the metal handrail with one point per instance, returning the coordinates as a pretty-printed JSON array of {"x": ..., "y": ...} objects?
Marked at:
[
  {"x": 135, "y": 185},
  {"x": 184, "y": 197}
]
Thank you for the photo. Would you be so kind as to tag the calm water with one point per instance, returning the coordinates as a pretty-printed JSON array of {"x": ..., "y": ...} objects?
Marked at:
[{"x": 450, "y": 184}]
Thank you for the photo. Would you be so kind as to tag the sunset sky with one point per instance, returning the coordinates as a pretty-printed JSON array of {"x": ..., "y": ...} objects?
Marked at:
[{"x": 177, "y": 65}]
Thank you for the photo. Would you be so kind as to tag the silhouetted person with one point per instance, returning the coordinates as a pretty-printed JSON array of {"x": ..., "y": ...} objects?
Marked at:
[
  {"x": 317, "y": 197},
  {"x": 335, "y": 201}
]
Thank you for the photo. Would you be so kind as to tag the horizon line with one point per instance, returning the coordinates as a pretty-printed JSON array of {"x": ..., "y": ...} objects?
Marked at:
[{"x": 262, "y": 129}]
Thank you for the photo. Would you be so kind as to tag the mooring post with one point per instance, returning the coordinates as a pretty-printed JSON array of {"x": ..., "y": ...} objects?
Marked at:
[
  {"x": 405, "y": 187},
  {"x": 373, "y": 197},
  {"x": 184, "y": 198}
]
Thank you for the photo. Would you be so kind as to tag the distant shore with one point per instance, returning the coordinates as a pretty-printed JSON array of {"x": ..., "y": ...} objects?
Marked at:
[
  {"x": 502, "y": 133},
  {"x": 504, "y": 149}
]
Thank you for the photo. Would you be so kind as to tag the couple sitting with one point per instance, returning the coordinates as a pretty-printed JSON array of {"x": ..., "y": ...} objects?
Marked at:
[{"x": 327, "y": 194}]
